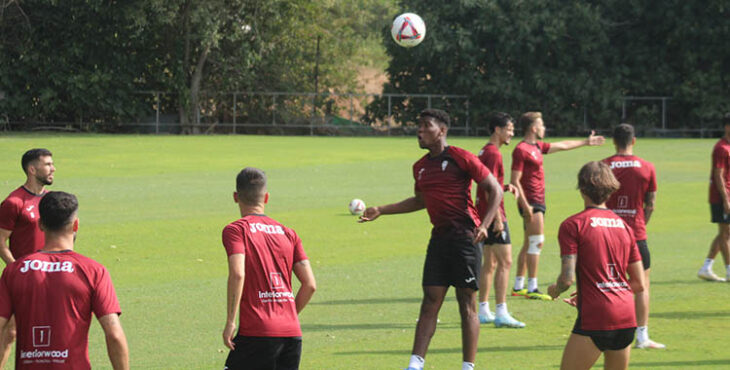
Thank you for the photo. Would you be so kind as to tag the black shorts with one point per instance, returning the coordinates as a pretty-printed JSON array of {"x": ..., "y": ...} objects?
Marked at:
[
  {"x": 644, "y": 251},
  {"x": 452, "y": 262},
  {"x": 501, "y": 238},
  {"x": 608, "y": 340},
  {"x": 536, "y": 207},
  {"x": 718, "y": 214},
  {"x": 265, "y": 353}
]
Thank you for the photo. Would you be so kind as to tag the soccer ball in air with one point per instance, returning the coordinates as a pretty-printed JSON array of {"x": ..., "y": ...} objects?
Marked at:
[
  {"x": 357, "y": 206},
  {"x": 408, "y": 30}
]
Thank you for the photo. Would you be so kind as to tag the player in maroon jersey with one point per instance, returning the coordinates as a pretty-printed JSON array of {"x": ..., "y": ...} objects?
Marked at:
[
  {"x": 598, "y": 250},
  {"x": 720, "y": 206},
  {"x": 19, "y": 223},
  {"x": 53, "y": 293},
  {"x": 634, "y": 203},
  {"x": 529, "y": 178},
  {"x": 262, "y": 253},
  {"x": 498, "y": 246},
  {"x": 443, "y": 180}
]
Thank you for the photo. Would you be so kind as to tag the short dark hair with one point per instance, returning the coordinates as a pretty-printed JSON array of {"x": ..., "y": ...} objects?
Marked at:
[
  {"x": 440, "y": 116},
  {"x": 623, "y": 134},
  {"x": 251, "y": 185},
  {"x": 33, "y": 155},
  {"x": 528, "y": 118},
  {"x": 499, "y": 119},
  {"x": 57, "y": 209},
  {"x": 597, "y": 182}
]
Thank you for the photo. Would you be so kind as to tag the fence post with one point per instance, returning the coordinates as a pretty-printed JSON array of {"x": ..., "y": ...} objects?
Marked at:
[
  {"x": 157, "y": 114},
  {"x": 390, "y": 115},
  {"x": 664, "y": 113},
  {"x": 467, "y": 118},
  {"x": 234, "y": 113},
  {"x": 429, "y": 101},
  {"x": 273, "y": 111}
]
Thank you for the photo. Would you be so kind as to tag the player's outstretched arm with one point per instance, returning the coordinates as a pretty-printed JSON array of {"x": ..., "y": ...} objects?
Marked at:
[
  {"x": 116, "y": 341},
  {"x": 412, "y": 204},
  {"x": 303, "y": 272},
  {"x": 494, "y": 194},
  {"x": 636, "y": 276},
  {"x": 592, "y": 140},
  {"x": 236, "y": 276},
  {"x": 566, "y": 277},
  {"x": 5, "y": 247}
]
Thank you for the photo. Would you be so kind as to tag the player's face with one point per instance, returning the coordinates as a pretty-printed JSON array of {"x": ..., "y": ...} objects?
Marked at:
[
  {"x": 539, "y": 127},
  {"x": 506, "y": 133},
  {"x": 44, "y": 169},
  {"x": 429, "y": 132}
]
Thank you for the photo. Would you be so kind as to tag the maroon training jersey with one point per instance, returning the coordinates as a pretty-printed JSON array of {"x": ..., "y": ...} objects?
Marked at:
[
  {"x": 492, "y": 159},
  {"x": 637, "y": 177},
  {"x": 19, "y": 214},
  {"x": 444, "y": 182},
  {"x": 605, "y": 247},
  {"x": 720, "y": 159},
  {"x": 52, "y": 295},
  {"x": 271, "y": 250},
  {"x": 527, "y": 158}
]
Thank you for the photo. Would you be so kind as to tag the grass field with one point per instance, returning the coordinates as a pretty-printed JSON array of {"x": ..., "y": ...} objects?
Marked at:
[{"x": 152, "y": 209}]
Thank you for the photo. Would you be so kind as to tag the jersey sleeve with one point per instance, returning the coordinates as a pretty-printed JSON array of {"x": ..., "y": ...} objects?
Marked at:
[
  {"x": 652, "y": 179},
  {"x": 9, "y": 211},
  {"x": 474, "y": 167},
  {"x": 568, "y": 237},
  {"x": 544, "y": 147},
  {"x": 518, "y": 160},
  {"x": 719, "y": 157},
  {"x": 105, "y": 300},
  {"x": 415, "y": 179},
  {"x": 233, "y": 240},
  {"x": 6, "y": 303},
  {"x": 299, "y": 254}
]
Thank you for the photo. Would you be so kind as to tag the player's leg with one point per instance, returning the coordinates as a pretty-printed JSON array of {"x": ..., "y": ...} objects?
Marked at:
[
  {"x": 519, "y": 288},
  {"x": 717, "y": 214},
  {"x": 469, "y": 323},
  {"x": 641, "y": 302},
  {"x": 725, "y": 247},
  {"x": 535, "y": 230},
  {"x": 503, "y": 255},
  {"x": 617, "y": 360},
  {"x": 433, "y": 298},
  {"x": 485, "y": 282},
  {"x": 580, "y": 353},
  {"x": 7, "y": 338}
]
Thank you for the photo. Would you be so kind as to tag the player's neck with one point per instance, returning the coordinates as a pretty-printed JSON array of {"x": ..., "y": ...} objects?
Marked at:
[
  {"x": 494, "y": 140},
  {"x": 437, "y": 148},
  {"x": 34, "y": 186},
  {"x": 530, "y": 138},
  {"x": 57, "y": 242},
  {"x": 727, "y": 137},
  {"x": 625, "y": 151},
  {"x": 251, "y": 210}
]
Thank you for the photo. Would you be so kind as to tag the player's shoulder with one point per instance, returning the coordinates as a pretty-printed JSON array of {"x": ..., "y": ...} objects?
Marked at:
[
  {"x": 16, "y": 196},
  {"x": 457, "y": 152}
]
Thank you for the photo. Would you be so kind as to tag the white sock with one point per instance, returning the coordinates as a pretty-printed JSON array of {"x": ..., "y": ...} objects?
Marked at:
[
  {"x": 483, "y": 308},
  {"x": 519, "y": 282},
  {"x": 708, "y": 264},
  {"x": 502, "y": 309},
  {"x": 642, "y": 334},
  {"x": 531, "y": 284},
  {"x": 727, "y": 270},
  {"x": 416, "y": 362},
  {"x": 467, "y": 365}
]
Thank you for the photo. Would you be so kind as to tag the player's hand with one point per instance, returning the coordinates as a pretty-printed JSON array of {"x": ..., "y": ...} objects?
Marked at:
[
  {"x": 553, "y": 291},
  {"x": 498, "y": 226},
  {"x": 229, "y": 332},
  {"x": 594, "y": 139},
  {"x": 573, "y": 300},
  {"x": 527, "y": 214},
  {"x": 512, "y": 189},
  {"x": 370, "y": 214},
  {"x": 480, "y": 234}
]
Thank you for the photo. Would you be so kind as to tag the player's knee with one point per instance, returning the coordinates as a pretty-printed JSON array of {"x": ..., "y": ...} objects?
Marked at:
[{"x": 535, "y": 244}]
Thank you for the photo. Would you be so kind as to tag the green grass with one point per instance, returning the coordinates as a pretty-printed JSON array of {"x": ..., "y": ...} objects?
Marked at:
[{"x": 152, "y": 209}]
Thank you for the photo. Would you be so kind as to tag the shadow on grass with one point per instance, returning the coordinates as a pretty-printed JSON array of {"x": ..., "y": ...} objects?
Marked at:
[
  {"x": 684, "y": 281},
  {"x": 689, "y": 315},
  {"x": 458, "y": 350},
  {"x": 374, "y": 326},
  {"x": 684, "y": 364},
  {"x": 370, "y": 301}
]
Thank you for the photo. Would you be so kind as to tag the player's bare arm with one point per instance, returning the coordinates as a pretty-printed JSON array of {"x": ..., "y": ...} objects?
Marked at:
[
  {"x": 718, "y": 178},
  {"x": 592, "y": 140},
  {"x": 412, "y": 204},
  {"x": 520, "y": 194},
  {"x": 303, "y": 272},
  {"x": 649, "y": 199},
  {"x": 116, "y": 341},
  {"x": 566, "y": 277},
  {"x": 236, "y": 275},
  {"x": 5, "y": 247},
  {"x": 498, "y": 221},
  {"x": 493, "y": 192},
  {"x": 637, "y": 280}
]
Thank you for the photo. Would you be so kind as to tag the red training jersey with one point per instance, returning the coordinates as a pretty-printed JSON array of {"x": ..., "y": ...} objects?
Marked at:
[
  {"x": 527, "y": 158},
  {"x": 19, "y": 214},
  {"x": 605, "y": 247},
  {"x": 492, "y": 159},
  {"x": 271, "y": 250},
  {"x": 444, "y": 182},
  {"x": 720, "y": 159},
  {"x": 52, "y": 295},
  {"x": 637, "y": 177}
]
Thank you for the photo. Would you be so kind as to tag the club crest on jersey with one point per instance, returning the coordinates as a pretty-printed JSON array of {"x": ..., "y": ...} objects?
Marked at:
[
  {"x": 47, "y": 266},
  {"x": 420, "y": 172},
  {"x": 443, "y": 165},
  {"x": 534, "y": 154},
  {"x": 30, "y": 210},
  {"x": 606, "y": 222}
]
